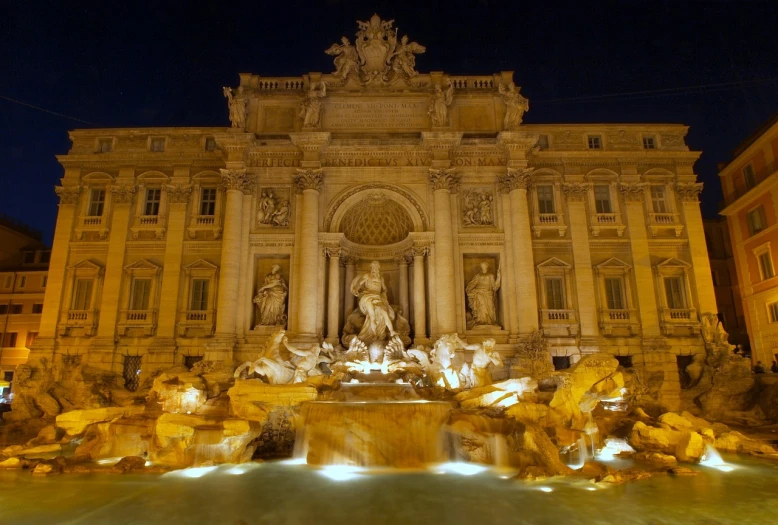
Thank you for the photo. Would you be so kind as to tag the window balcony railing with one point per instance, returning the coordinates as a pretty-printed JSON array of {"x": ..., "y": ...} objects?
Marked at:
[
  {"x": 549, "y": 221},
  {"x": 658, "y": 222},
  {"x": 92, "y": 223},
  {"x": 201, "y": 321},
  {"x": 605, "y": 218},
  {"x": 683, "y": 319},
  {"x": 144, "y": 321},
  {"x": 148, "y": 220},
  {"x": 608, "y": 221},
  {"x": 619, "y": 321},
  {"x": 559, "y": 323},
  {"x": 153, "y": 223},
  {"x": 82, "y": 320},
  {"x": 205, "y": 223}
]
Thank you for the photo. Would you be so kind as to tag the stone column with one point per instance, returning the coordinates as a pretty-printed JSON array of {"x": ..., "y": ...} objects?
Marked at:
[
  {"x": 576, "y": 195},
  {"x": 515, "y": 183},
  {"x": 333, "y": 295},
  {"x": 634, "y": 198},
  {"x": 245, "y": 271},
  {"x": 234, "y": 181},
  {"x": 177, "y": 198},
  {"x": 419, "y": 297},
  {"x": 348, "y": 297},
  {"x": 55, "y": 284},
  {"x": 402, "y": 262},
  {"x": 509, "y": 276},
  {"x": 121, "y": 199},
  {"x": 309, "y": 182},
  {"x": 443, "y": 182},
  {"x": 703, "y": 278}
]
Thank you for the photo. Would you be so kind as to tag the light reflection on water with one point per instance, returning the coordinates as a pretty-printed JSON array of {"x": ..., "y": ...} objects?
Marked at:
[{"x": 280, "y": 493}]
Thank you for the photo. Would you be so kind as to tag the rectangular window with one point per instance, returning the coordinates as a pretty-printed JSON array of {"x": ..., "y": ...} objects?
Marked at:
[
  {"x": 104, "y": 145},
  {"x": 545, "y": 198},
  {"x": 8, "y": 280},
  {"x": 37, "y": 308},
  {"x": 648, "y": 143},
  {"x": 45, "y": 256},
  {"x": 772, "y": 309},
  {"x": 543, "y": 141},
  {"x": 210, "y": 144},
  {"x": 96, "y": 203},
  {"x": 82, "y": 294},
  {"x": 9, "y": 341},
  {"x": 29, "y": 258},
  {"x": 594, "y": 142},
  {"x": 199, "y": 294},
  {"x": 31, "y": 337},
  {"x": 157, "y": 144},
  {"x": 748, "y": 176},
  {"x": 602, "y": 198},
  {"x": 756, "y": 220},
  {"x": 22, "y": 281},
  {"x": 614, "y": 293},
  {"x": 44, "y": 281},
  {"x": 131, "y": 372},
  {"x": 3, "y": 309},
  {"x": 16, "y": 308},
  {"x": 208, "y": 201},
  {"x": 140, "y": 294},
  {"x": 674, "y": 292},
  {"x": 554, "y": 294},
  {"x": 153, "y": 196},
  {"x": 766, "y": 266},
  {"x": 658, "y": 199}
]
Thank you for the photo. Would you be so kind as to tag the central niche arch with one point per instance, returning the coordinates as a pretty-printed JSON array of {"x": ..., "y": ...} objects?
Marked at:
[{"x": 376, "y": 221}]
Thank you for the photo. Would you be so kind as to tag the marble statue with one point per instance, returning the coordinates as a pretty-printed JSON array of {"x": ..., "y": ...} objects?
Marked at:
[
  {"x": 379, "y": 315},
  {"x": 271, "y": 299},
  {"x": 403, "y": 60},
  {"x": 306, "y": 362},
  {"x": 439, "y": 103},
  {"x": 238, "y": 104},
  {"x": 271, "y": 365},
  {"x": 346, "y": 58},
  {"x": 272, "y": 210},
  {"x": 477, "y": 373},
  {"x": 310, "y": 109},
  {"x": 481, "y": 297},
  {"x": 477, "y": 208},
  {"x": 515, "y": 105}
]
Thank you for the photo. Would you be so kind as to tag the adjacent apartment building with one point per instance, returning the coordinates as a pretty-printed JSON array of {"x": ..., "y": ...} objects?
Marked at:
[
  {"x": 24, "y": 263},
  {"x": 750, "y": 185}
]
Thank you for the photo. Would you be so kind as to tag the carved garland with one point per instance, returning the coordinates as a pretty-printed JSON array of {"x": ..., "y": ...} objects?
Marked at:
[
  {"x": 178, "y": 194},
  {"x": 309, "y": 179},
  {"x": 689, "y": 191},
  {"x": 444, "y": 179},
  {"x": 122, "y": 194},
  {"x": 373, "y": 185},
  {"x": 515, "y": 179},
  {"x": 67, "y": 194},
  {"x": 575, "y": 191},
  {"x": 634, "y": 192}
]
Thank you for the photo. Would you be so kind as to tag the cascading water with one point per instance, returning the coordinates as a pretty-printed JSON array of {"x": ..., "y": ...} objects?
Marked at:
[{"x": 373, "y": 433}]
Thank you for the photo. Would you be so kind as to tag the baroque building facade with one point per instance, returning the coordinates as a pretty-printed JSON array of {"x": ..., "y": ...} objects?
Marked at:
[{"x": 174, "y": 244}]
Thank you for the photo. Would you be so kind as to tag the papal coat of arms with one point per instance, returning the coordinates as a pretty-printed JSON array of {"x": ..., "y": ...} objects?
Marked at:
[{"x": 378, "y": 56}]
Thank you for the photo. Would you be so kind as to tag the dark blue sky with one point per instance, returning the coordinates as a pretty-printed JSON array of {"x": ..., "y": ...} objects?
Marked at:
[{"x": 129, "y": 64}]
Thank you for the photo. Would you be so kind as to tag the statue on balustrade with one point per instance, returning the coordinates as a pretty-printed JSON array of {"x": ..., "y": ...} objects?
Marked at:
[
  {"x": 379, "y": 315},
  {"x": 346, "y": 58},
  {"x": 441, "y": 100},
  {"x": 238, "y": 104},
  {"x": 515, "y": 105},
  {"x": 271, "y": 299},
  {"x": 481, "y": 292},
  {"x": 310, "y": 110}
]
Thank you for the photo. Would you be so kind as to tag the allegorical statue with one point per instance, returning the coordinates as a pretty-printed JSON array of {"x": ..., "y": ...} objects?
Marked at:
[
  {"x": 271, "y": 299},
  {"x": 480, "y": 297},
  {"x": 346, "y": 58},
  {"x": 441, "y": 100},
  {"x": 404, "y": 58},
  {"x": 238, "y": 104},
  {"x": 310, "y": 110},
  {"x": 379, "y": 316},
  {"x": 515, "y": 105}
]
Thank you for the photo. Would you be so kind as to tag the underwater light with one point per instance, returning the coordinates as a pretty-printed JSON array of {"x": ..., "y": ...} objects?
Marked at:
[
  {"x": 340, "y": 472},
  {"x": 712, "y": 459},
  {"x": 294, "y": 461},
  {"x": 546, "y": 489},
  {"x": 463, "y": 469},
  {"x": 192, "y": 472}
]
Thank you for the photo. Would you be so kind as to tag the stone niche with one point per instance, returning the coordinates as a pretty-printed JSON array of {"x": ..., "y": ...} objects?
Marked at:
[
  {"x": 471, "y": 266},
  {"x": 264, "y": 266}
]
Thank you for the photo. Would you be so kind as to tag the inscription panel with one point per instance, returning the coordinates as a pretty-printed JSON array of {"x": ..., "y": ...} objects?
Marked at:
[{"x": 376, "y": 114}]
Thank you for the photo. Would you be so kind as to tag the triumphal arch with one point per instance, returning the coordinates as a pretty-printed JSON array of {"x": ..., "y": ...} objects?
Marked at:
[{"x": 376, "y": 199}]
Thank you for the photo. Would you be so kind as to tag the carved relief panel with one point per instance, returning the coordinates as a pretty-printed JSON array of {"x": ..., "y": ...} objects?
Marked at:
[
  {"x": 274, "y": 207},
  {"x": 477, "y": 207}
]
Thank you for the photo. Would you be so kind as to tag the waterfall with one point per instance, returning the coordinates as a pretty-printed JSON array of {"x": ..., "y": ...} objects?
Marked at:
[
  {"x": 583, "y": 450},
  {"x": 713, "y": 459}
]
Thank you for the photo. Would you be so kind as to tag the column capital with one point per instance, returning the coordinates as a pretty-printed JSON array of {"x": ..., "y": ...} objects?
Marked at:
[
  {"x": 633, "y": 192},
  {"x": 333, "y": 251},
  {"x": 67, "y": 194},
  {"x": 404, "y": 258},
  {"x": 346, "y": 259},
  {"x": 237, "y": 179},
  {"x": 576, "y": 191},
  {"x": 420, "y": 251},
  {"x": 518, "y": 144},
  {"x": 444, "y": 179},
  {"x": 309, "y": 179},
  {"x": 515, "y": 179},
  {"x": 122, "y": 194},
  {"x": 178, "y": 194},
  {"x": 689, "y": 191}
]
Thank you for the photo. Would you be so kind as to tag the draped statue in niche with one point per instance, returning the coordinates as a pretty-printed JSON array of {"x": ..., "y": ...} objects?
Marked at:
[
  {"x": 481, "y": 292},
  {"x": 271, "y": 299},
  {"x": 379, "y": 315}
]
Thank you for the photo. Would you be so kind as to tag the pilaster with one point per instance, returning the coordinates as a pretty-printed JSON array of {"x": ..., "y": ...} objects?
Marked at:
[
  {"x": 443, "y": 182},
  {"x": 703, "y": 279},
  {"x": 178, "y": 199}
]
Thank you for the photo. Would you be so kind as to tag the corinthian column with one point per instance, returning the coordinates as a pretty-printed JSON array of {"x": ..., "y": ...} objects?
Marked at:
[
  {"x": 333, "y": 295},
  {"x": 402, "y": 263},
  {"x": 515, "y": 183},
  {"x": 235, "y": 182},
  {"x": 348, "y": 297},
  {"x": 419, "y": 297},
  {"x": 309, "y": 183},
  {"x": 444, "y": 181}
]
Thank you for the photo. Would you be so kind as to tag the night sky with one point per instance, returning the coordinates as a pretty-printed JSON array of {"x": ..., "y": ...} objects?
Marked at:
[{"x": 710, "y": 65}]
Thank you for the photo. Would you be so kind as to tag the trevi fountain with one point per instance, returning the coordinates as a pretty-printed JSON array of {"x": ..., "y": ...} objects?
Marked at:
[{"x": 377, "y": 422}]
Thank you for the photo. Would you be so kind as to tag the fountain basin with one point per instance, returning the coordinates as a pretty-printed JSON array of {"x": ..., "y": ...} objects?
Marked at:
[{"x": 401, "y": 434}]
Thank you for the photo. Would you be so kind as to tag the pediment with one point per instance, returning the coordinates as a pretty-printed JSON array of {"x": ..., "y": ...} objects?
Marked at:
[
  {"x": 553, "y": 262},
  {"x": 672, "y": 262},
  {"x": 86, "y": 265},
  {"x": 613, "y": 262},
  {"x": 201, "y": 264},
  {"x": 142, "y": 264}
]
